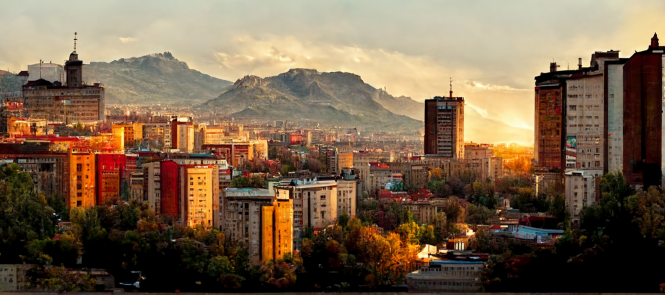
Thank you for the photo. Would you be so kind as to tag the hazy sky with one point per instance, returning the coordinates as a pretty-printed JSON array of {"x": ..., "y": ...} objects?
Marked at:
[{"x": 491, "y": 49}]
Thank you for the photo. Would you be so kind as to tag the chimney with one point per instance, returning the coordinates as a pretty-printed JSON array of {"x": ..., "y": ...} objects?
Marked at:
[
  {"x": 579, "y": 63},
  {"x": 553, "y": 67},
  {"x": 654, "y": 41}
]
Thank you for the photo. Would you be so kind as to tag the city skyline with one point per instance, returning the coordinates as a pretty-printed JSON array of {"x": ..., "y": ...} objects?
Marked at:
[{"x": 378, "y": 41}]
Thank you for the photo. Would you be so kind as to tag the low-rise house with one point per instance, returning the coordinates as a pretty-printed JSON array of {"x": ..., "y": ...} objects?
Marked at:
[{"x": 447, "y": 276}]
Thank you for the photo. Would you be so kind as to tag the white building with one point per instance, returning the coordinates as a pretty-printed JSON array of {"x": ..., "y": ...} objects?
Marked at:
[
  {"x": 580, "y": 192},
  {"x": 151, "y": 185},
  {"x": 346, "y": 197},
  {"x": 314, "y": 204},
  {"x": 614, "y": 96},
  {"x": 48, "y": 71},
  {"x": 585, "y": 117}
]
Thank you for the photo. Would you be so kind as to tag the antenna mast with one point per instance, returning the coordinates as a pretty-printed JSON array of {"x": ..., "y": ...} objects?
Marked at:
[
  {"x": 75, "y": 41},
  {"x": 451, "y": 87},
  {"x": 40, "y": 68}
]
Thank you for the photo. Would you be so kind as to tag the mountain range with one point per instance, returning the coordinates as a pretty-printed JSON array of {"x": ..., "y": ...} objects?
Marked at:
[
  {"x": 152, "y": 79},
  {"x": 334, "y": 98}
]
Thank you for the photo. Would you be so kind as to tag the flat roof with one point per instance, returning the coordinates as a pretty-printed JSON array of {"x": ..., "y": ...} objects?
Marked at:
[{"x": 440, "y": 262}]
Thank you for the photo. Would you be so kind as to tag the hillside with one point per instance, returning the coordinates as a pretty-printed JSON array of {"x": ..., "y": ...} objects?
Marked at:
[
  {"x": 335, "y": 98},
  {"x": 10, "y": 82},
  {"x": 152, "y": 79},
  {"x": 402, "y": 105}
]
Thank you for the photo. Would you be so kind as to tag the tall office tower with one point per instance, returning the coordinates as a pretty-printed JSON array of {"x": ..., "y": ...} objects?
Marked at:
[{"x": 444, "y": 127}]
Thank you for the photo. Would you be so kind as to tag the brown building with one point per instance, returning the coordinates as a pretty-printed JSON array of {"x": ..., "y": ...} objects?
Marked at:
[
  {"x": 444, "y": 127},
  {"x": 642, "y": 116},
  {"x": 548, "y": 125}
]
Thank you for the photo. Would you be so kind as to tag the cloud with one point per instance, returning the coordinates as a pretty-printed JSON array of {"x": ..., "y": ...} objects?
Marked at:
[
  {"x": 127, "y": 39},
  {"x": 419, "y": 77},
  {"x": 476, "y": 84}
]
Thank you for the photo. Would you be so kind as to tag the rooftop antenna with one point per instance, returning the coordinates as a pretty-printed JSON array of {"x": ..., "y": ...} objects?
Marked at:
[
  {"x": 451, "y": 87},
  {"x": 75, "y": 41},
  {"x": 40, "y": 68}
]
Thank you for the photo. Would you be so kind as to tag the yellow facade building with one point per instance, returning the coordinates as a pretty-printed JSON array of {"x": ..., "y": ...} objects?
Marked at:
[
  {"x": 81, "y": 188},
  {"x": 201, "y": 185},
  {"x": 276, "y": 229}
]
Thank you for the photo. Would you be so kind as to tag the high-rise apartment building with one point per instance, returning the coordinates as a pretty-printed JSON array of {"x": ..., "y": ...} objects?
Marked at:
[
  {"x": 603, "y": 118},
  {"x": 199, "y": 186},
  {"x": 346, "y": 197},
  {"x": 182, "y": 133},
  {"x": 169, "y": 189},
  {"x": 444, "y": 127},
  {"x": 314, "y": 204},
  {"x": 110, "y": 172},
  {"x": 241, "y": 216},
  {"x": 81, "y": 191},
  {"x": 151, "y": 185},
  {"x": 585, "y": 117},
  {"x": 277, "y": 231},
  {"x": 642, "y": 116},
  {"x": 548, "y": 127},
  {"x": 614, "y": 100}
]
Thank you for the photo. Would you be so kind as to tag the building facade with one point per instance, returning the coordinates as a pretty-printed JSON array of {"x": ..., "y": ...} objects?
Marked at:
[
  {"x": 74, "y": 102},
  {"x": 580, "y": 192},
  {"x": 444, "y": 127},
  {"x": 110, "y": 171},
  {"x": 81, "y": 191},
  {"x": 642, "y": 116},
  {"x": 277, "y": 230},
  {"x": 241, "y": 212}
]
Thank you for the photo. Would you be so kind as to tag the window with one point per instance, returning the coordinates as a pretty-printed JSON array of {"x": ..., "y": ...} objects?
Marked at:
[{"x": 78, "y": 167}]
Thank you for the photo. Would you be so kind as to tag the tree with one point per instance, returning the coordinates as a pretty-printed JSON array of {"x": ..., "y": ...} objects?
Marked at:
[
  {"x": 440, "y": 228},
  {"x": 59, "y": 279},
  {"x": 239, "y": 182},
  {"x": 24, "y": 215},
  {"x": 436, "y": 173},
  {"x": 478, "y": 214},
  {"x": 256, "y": 181},
  {"x": 648, "y": 209}
]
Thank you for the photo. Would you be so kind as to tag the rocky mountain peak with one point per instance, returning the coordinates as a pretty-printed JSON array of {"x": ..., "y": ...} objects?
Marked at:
[
  {"x": 299, "y": 72},
  {"x": 250, "y": 81}
]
